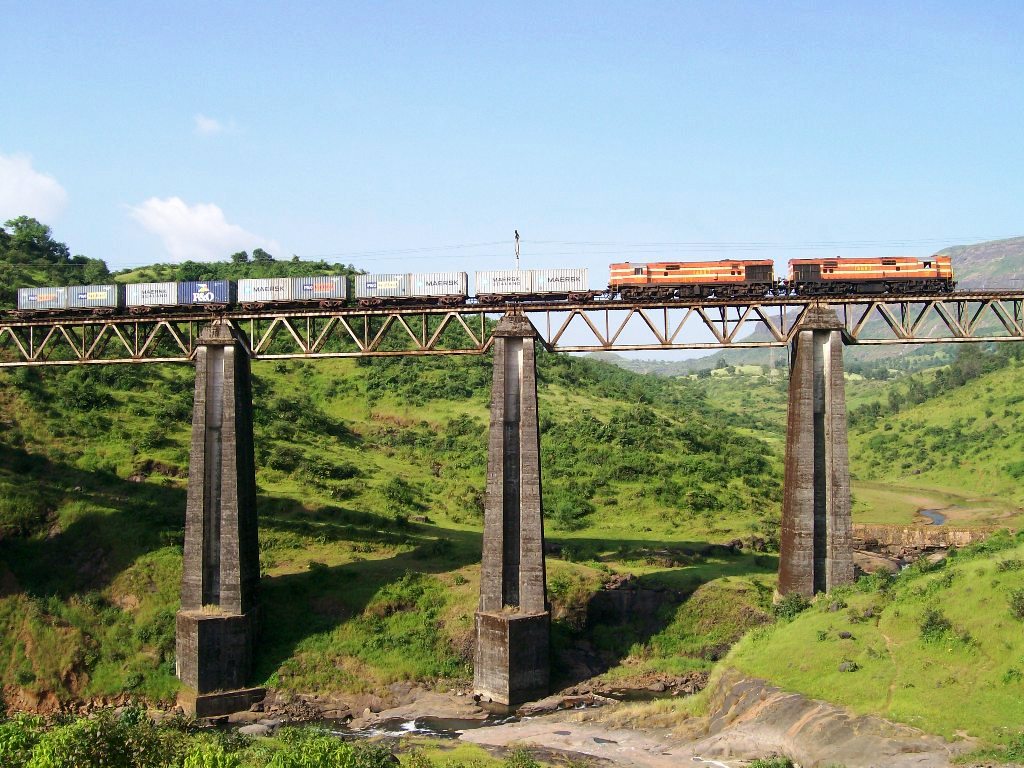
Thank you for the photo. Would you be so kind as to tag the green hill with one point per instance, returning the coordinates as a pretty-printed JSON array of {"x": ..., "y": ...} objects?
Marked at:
[
  {"x": 939, "y": 647},
  {"x": 371, "y": 479},
  {"x": 997, "y": 264}
]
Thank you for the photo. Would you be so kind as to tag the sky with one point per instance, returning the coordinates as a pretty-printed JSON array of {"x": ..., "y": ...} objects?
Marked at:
[{"x": 419, "y": 136}]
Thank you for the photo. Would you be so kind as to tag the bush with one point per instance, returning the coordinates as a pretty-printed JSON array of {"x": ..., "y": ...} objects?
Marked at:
[
  {"x": 1015, "y": 749},
  {"x": 101, "y": 741},
  {"x": 934, "y": 625},
  {"x": 17, "y": 738},
  {"x": 790, "y": 606},
  {"x": 312, "y": 748},
  {"x": 1016, "y": 599},
  {"x": 520, "y": 758},
  {"x": 211, "y": 756}
]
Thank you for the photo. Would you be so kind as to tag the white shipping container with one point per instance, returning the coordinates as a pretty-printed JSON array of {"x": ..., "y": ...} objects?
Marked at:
[
  {"x": 438, "y": 284},
  {"x": 560, "y": 280},
  {"x": 504, "y": 281},
  {"x": 265, "y": 289},
  {"x": 383, "y": 286},
  {"x": 323, "y": 287},
  {"x": 152, "y": 294}
]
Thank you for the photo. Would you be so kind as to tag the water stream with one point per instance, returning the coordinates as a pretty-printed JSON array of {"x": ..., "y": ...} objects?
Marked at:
[
  {"x": 934, "y": 515},
  {"x": 436, "y": 727}
]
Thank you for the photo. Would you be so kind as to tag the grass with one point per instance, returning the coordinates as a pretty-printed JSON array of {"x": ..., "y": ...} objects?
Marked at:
[
  {"x": 370, "y": 490},
  {"x": 959, "y": 444},
  {"x": 445, "y": 751},
  {"x": 917, "y": 643},
  {"x": 370, "y": 499}
]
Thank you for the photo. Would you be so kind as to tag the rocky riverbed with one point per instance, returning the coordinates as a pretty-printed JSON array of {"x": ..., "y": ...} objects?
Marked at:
[{"x": 746, "y": 719}]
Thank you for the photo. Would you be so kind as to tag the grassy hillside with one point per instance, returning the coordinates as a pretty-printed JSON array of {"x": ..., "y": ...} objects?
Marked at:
[
  {"x": 938, "y": 647},
  {"x": 949, "y": 433},
  {"x": 993, "y": 264},
  {"x": 370, "y": 484}
]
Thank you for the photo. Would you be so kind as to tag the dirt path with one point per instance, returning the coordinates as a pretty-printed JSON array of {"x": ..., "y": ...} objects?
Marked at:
[{"x": 892, "y": 684}]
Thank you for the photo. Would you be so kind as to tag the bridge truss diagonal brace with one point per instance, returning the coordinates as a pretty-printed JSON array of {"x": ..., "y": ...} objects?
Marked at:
[{"x": 816, "y": 551}]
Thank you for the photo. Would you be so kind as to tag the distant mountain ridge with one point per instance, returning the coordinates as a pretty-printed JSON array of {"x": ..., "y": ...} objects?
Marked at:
[{"x": 995, "y": 264}]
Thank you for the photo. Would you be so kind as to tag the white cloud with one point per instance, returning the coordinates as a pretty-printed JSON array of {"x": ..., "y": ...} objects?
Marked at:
[
  {"x": 211, "y": 126},
  {"x": 196, "y": 232},
  {"x": 26, "y": 191}
]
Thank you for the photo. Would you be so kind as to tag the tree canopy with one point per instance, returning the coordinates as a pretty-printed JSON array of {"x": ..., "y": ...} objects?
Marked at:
[{"x": 29, "y": 255}]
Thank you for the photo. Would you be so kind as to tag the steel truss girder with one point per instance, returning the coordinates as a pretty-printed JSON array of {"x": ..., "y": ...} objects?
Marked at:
[{"x": 594, "y": 326}]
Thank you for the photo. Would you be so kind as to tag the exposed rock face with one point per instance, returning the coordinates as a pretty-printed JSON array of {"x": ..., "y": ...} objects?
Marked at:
[
  {"x": 747, "y": 717},
  {"x": 913, "y": 541}
]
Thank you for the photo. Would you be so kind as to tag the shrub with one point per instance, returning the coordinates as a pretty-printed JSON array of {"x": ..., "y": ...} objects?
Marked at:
[
  {"x": 520, "y": 758},
  {"x": 311, "y": 748},
  {"x": 101, "y": 741},
  {"x": 934, "y": 625},
  {"x": 790, "y": 606},
  {"x": 17, "y": 738},
  {"x": 1015, "y": 749},
  {"x": 1016, "y": 600},
  {"x": 211, "y": 756}
]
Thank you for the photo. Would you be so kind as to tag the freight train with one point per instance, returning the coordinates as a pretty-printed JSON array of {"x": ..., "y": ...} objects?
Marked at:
[{"x": 630, "y": 282}]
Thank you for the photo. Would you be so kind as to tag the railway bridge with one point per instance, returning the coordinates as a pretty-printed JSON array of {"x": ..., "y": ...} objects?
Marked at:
[{"x": 216, "y": 625}]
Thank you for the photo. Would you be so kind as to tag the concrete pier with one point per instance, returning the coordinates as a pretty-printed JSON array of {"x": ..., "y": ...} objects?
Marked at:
[
  {"x": 216, "y": 625},
  {"x": 817, "y": 543},
  {"x": 513, "y": 620}
]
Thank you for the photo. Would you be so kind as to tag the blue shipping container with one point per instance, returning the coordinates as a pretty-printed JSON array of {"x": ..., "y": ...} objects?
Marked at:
[{"x": 205, "y": 292}]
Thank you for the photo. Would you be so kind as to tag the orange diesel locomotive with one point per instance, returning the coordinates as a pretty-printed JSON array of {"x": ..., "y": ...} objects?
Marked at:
[
  {"x": 900, "y": 275},
  {"x": 726, "y": 279}
]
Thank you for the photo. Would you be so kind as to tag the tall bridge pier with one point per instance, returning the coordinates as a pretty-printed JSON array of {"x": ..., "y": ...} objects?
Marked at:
[
  {"x": 216, "y": 624},
  {"x": 513, "y": 619},
  {"x": 817, "y": 547}
]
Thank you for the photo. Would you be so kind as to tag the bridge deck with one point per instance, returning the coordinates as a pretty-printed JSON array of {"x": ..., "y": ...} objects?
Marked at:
[{"x": 601, "y": 325}]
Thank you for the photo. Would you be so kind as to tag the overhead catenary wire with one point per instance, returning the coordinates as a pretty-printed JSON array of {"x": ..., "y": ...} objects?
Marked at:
[{"x": 673, "y": 249}]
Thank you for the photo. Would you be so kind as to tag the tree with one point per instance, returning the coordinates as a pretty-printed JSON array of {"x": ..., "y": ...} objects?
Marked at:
[
  {"x": 30, "y": 256},
  {"x": 31, "y": 243},
  {"x": 259, "y": 254},
  {"x": 241, "y": 257}
]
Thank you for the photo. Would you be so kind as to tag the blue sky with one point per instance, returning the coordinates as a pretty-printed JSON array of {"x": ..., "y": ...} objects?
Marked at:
[{"x": 418, "y": 136}]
